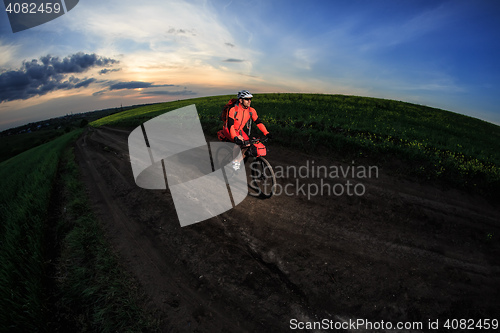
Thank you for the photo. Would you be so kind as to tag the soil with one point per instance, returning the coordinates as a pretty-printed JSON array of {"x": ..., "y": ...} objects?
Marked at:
[{"x": 402, "y": 251}]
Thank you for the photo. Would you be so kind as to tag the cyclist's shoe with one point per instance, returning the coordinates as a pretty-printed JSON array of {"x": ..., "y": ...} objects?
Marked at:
[{"x": 236, "y": 165}]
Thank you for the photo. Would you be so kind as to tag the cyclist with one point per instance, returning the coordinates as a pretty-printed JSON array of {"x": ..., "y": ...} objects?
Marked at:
[{"x": 239, "y": 117}]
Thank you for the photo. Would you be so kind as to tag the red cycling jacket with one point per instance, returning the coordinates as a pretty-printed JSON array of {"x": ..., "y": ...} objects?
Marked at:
[{"x": 238, "y": 117}]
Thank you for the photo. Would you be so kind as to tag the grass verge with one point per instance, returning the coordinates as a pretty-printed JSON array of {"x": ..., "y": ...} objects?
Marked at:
[
  {"x": 57, "y": 273},
  {"x": 94, "y": 293},
  {"x": 24, "y": 200}
]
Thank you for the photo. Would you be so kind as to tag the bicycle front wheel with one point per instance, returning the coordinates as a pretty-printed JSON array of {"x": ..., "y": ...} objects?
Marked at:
[{"x": 262, "y": 180}]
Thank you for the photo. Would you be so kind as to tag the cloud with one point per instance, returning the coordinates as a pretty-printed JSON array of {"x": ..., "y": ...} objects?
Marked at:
[
  {"x": 99, "y": 93},
  {"x": 305, "y": 58},
  {"x": 182, "y": 34},
  {"x": 84, "y": 83},
  {"x": 76, "y": 63},
  {"x": 169, "y": 93},
  {"x": 248, "y": 75},
  {"x": 136, "y": 85},
  {"x": 233, "y": 60},
  {"x": 7, "y": 53},
  {"x": 174, "y": 31},
  {"x": 108, "y": 70},
  {"x": 404, "y": 31},
  {"x": 128, "y": 85},
  {"x": 39, "y": 77}
]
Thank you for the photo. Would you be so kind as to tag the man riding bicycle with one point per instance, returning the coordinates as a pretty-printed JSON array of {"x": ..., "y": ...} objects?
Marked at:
[{"x": 238, "y": 117}]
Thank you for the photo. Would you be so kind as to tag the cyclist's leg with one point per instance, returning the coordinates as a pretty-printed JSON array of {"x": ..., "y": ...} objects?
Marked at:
[
  {"x": 236, "y": 149},
  {"x": 244, "y": 149},
  {"x": 239, "y": 152}
]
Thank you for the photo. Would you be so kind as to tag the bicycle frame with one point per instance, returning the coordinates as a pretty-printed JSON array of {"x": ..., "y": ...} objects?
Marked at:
[
  {"x": 262, "y": 180},
  {"x": 262, "y": 183}
]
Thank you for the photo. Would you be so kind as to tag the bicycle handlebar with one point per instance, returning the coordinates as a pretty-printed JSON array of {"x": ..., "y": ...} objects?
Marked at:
[{"x": 254, "y": 140}]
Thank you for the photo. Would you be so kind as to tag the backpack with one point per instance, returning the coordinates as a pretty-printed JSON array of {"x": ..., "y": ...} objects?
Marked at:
[
  {"x": 223, "y": 116},
  {"x": 225, "y": 111}
]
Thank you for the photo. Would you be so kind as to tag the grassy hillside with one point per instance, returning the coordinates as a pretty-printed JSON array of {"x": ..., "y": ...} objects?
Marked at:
[
  {"x": 80, "y": 288},
  {"x": 433, "y": 144},
  {"x": 15, "y": 144},
  {"x": 27, "y": 181}
]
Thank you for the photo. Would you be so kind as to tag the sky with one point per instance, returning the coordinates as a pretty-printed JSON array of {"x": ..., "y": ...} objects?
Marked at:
[{"x": 104, "y": 54}]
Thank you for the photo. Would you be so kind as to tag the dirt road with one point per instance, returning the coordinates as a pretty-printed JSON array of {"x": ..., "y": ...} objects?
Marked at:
[{"x": 401, "y": 252}]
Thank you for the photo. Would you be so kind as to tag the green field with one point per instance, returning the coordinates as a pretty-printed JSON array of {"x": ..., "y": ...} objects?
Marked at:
[
  {"x": 27, "y": 181},
  {"x": 15, "y": 144},
  {"x": 433, "y": 146},
  {"x": 56, "y": 269}
]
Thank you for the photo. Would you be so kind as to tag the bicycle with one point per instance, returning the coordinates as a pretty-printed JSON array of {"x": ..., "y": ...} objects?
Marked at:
[{"x": 261, "y": 179}]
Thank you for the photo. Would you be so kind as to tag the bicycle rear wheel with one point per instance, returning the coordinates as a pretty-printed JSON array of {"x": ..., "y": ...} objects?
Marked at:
[{"x": 261, "y": 177}]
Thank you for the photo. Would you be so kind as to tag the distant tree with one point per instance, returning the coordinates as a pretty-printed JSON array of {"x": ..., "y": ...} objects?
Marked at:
[{"x": 84, "y": 123}]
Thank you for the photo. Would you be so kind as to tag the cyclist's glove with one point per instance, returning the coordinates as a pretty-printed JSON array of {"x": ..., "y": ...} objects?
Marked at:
[{"x": 238, "y": 141}]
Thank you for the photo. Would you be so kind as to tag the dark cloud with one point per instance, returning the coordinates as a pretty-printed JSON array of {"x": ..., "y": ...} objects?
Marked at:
[
  {"x": 76, "y": 63},
  {"x": 100, "y": 92},
  {"x": 120, "y": 85},
  {"x": 84, "y": 83},
  {"x": 233, "y": 60},
  {"x": 136, "y": 85},
  {"x": 108, "y": 70},
  {"x": 39, "y": 77}
]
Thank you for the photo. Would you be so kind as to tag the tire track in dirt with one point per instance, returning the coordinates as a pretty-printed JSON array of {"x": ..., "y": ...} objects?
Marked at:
[
  {"x": 402, "y": 251},
  {"x": 139, "y": 248}
]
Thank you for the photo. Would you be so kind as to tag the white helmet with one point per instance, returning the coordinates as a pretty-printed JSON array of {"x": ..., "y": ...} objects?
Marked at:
[{"x": 244, "y": 94}]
